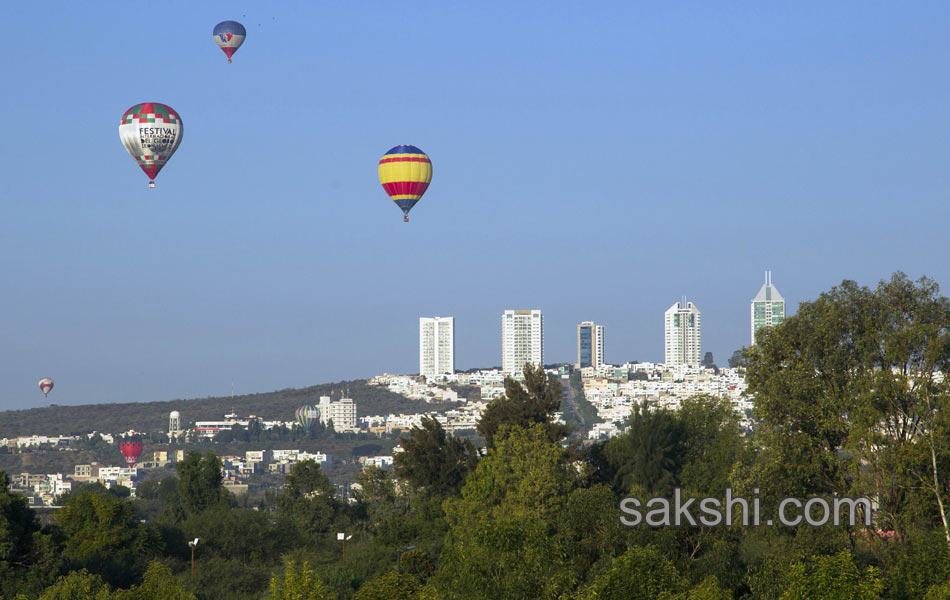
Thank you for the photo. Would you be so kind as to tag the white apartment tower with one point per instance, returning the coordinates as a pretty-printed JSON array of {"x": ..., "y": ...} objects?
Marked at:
[
  {"x": 768, "y": 306},
  {"x": 590, "y": 345},
  {"x": 436, "y": 346},
  {"x": 342, "y": 413},
  {"x": 522, "y": 340},
  {"x": 683, "y": 339}
]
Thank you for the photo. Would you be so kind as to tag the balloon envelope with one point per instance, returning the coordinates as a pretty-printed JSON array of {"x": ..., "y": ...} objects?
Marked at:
[
  {"x": 46, "y": 384},
  {"x": 151, "y": 132},
  {"x": 229, "y": 35},
  {"x": 131, "y": 451},
  {"x": 306, "y": 416},
  {"x": 405, "y": 172}
]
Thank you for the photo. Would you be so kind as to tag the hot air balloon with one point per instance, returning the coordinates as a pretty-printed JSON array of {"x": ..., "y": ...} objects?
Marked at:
[
  {"x": 405, "y": 172},
  {"x": 131, "y": 451},
  {"x": 229, "y": 35},
  {"x": 151, "y": 133},
  {"x": 306, "y": 415},
  {"x": 46, "y": 384}
]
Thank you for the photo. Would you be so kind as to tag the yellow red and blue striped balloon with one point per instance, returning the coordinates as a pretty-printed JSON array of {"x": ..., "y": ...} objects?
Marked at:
[{"x": 405, "y": 172}]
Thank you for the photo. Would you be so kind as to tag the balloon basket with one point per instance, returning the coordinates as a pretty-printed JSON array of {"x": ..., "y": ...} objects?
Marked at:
[{"x": 151, "y": 183}]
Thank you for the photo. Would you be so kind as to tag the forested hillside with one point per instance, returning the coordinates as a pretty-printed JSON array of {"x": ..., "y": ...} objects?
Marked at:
[{"x": 153, "y": 416}]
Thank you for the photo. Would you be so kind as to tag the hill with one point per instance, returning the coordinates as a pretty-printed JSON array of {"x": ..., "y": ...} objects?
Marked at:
[{"x": 153, "y": 416}]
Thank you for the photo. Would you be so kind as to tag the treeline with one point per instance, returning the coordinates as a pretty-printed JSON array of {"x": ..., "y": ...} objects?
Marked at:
[
  {"x": 153, "y": 416},
  {"x": 850, "y": 400}
]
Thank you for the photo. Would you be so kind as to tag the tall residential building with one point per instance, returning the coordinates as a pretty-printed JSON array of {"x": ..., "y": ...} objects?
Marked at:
[
  {"x": 341, "y": 412},
  {"x": 436, "y": 346},
  {"x": 768, "y": 306},
  {"x": 590, "y": 345},
  {"x": 683, "y": 339},
  {"x": 522, "y": 340}
]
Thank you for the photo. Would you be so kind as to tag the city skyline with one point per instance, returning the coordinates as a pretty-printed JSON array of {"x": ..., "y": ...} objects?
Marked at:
[{"x": 282, "y": 262}]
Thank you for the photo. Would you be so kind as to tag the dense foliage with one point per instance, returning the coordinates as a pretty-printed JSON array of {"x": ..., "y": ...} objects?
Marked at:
[{"x": 850, "y": 401}]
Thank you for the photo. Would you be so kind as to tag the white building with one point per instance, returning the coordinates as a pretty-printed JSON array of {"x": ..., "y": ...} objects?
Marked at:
[
  {"x": 342, "y": 413},
  {"x": 436, "y": 346},
  {"x": 683, "y": 336},
  {"x": 768, "y": 306},
  {"x": 590, "y": 345},
  {"x": 522, "y": 340},
  {"x": 174, "y": 424}
]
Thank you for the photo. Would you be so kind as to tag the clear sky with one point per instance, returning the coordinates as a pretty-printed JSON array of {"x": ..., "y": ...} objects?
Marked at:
[{"x": 594, "y": 160}]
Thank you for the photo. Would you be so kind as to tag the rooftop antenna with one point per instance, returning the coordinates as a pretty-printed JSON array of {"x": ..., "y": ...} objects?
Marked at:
[
  {"x": 768, "y": 278},
  {"x": 684, "y": 301},
  {"x": 232, "y": 388}
]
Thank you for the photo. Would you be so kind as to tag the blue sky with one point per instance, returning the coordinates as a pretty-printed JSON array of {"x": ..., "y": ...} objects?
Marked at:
[{"x": 596, "y": 162}]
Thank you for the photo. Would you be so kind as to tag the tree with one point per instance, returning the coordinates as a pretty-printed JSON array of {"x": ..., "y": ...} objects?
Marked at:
[
  {"x": 712, "y": 444},
  {"x": 389, "y": 586},
  {"x": 308, "y": 499},
  {"x": 738, "y": 358},
  {"x": 853, "y": 401},
  {"x": 299, "y": 582},
  {"x": 938, "y": 592},
  {"x": 434, "y": 461},
  {"x": 503, "y": 540},
  {"x": 200, "y": 483},
  {"x": 158, "y": 584},
  {"x": 641, "y": 573},
  {"x": 831, "y": 578},
  {"x": 708, "y": 361},
  {"x": 78, "y": 585},
  {"x": 103, "y": 535},
  {"x": 649, "y": 454},
  {"x": 590, "y": 526},
  {"x": 524, "y": 405},
  {"x": 18, "y": 525}
]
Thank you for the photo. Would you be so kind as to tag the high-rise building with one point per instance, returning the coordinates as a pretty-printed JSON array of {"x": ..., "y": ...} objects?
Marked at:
[
  {"x": 342, "y": 413},
  {"x": 522, "y": 340},
  {"x": 683, "y": 339},
  {"x": 436, "y": 346},
  {"x": 590, "y": 345},
  {"x": 768, "y": 306}
]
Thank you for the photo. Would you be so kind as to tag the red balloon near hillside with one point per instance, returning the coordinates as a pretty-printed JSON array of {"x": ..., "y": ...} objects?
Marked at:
[{"x": 131, "y": 451}]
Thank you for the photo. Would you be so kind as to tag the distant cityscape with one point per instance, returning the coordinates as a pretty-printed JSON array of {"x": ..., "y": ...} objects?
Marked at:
[
  {"x": 611, "y": 392},
  {"x": 522, "y": 336}
]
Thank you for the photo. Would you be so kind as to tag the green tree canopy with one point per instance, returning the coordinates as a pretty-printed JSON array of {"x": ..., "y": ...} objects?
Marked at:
[
  {"x": 434, "y": 461},
  {"x": 308, "y": 499},
  {"x": 833, "y": 577},
  {"x": 200, "y": 483},
  {"x": 852, "y": 399},
  {"x": 298, "y": 581},
  {"x": 78, "y": 585},
  {"x": 534, "y": 402},
  {"x": 103, "y": 535},
  {"x": 503, "y": 540}
]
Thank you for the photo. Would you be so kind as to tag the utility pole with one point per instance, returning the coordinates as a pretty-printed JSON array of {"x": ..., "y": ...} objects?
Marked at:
[
  {"x": 193, "y": 544},
  {"x": 342, "y": 537}
]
